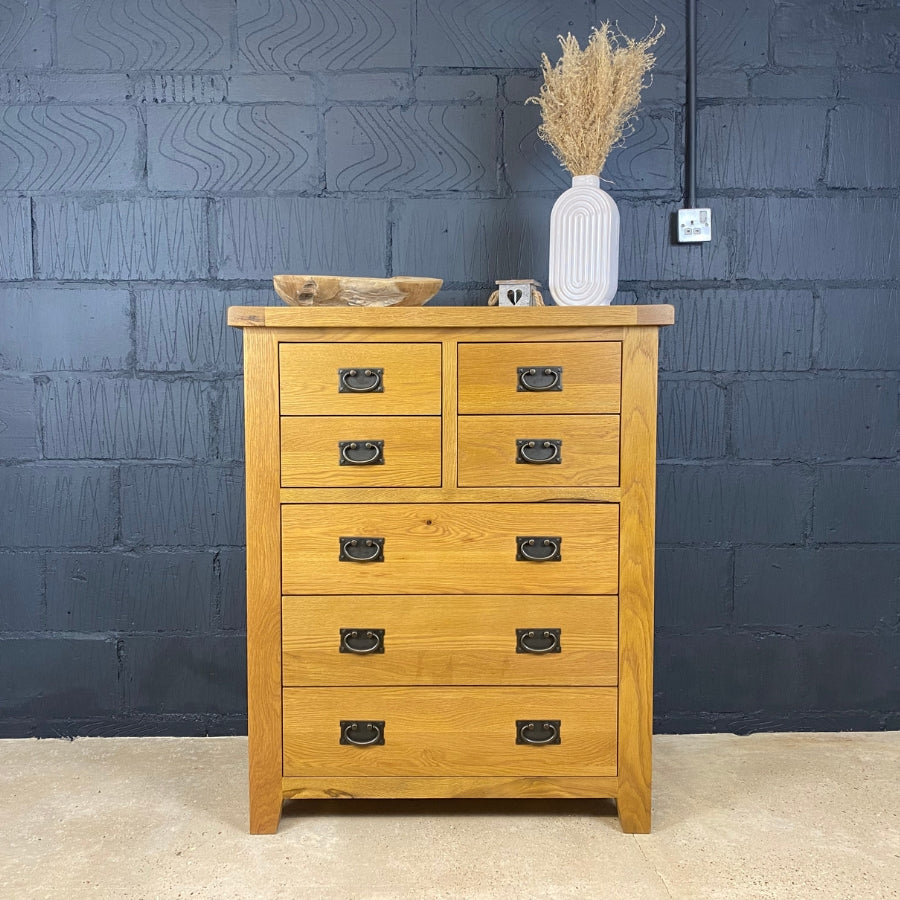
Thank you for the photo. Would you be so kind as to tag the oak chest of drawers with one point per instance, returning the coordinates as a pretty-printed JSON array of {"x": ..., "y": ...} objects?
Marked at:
[{"x": 450, "y": 553}]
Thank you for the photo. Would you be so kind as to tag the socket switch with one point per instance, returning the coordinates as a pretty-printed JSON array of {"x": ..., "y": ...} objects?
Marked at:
[{"x": 694, "y": 225}]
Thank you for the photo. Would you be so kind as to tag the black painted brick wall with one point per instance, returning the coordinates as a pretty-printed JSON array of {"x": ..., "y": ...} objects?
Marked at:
[{"x": 159, "y": 163}]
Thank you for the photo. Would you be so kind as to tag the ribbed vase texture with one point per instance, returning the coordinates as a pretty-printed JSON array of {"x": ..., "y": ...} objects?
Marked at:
[{"x": 584, "y": 245}]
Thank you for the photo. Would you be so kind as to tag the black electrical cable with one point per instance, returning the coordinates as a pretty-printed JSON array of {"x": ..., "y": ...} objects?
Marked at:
[{"x": 690, "y": 121}]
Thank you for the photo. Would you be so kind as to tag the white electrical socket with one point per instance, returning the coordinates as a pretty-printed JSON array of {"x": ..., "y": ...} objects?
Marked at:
[{"x": 694, "y": 225}]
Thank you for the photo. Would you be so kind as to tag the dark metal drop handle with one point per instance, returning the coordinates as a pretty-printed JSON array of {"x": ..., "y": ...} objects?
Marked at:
[
  {"x": 372, "y": 727},
  {"x": 374, "y": 374},
  {"x": 538, "y": 460},
  {"x": 547, "y": 636},
  {"x": 371, "y": 635},
  {"x": 547, "y": 726},
  {"x": 546, "y": 543},
  {"x": 353, "y": 542},
  {"x": 368, "y": 461},
  {"x": 524, "y": 374}
]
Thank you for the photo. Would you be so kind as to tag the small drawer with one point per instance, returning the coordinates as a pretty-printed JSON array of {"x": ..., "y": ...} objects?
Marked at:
[
  {"x": 450, "y": 731},
  {"x": 538, "y": 451},
  {"x": 459, "y": 640},
  {"x": 360, "y": 379},
  {"x": 390, "y": 451},
  {"x": 532, "y": 377},
  {"x": 453, "y": 548}
]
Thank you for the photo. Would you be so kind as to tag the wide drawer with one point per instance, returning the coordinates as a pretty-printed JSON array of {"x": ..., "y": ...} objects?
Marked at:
[
  {"x": 449, "y": 731},
  {"x": 325, "y": 379},
  {"x": 389, "y": 451},
  {"x": 351, "y": 640},
  {"x": 538, "y": 451},
  {"x": 583, "y": 377},
  {"x": 453, "y": 548}
]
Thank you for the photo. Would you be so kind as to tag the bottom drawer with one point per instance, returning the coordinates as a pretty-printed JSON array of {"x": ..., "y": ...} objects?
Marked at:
[{"x": 450, "y": 731}]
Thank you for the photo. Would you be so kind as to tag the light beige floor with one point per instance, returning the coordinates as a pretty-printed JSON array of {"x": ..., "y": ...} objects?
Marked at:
[{"x": 788, "y": 815}]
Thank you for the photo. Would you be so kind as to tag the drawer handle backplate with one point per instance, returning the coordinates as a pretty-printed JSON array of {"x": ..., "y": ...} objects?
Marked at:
[
  {"x": 527, "y": 548},
  {"x": 539, "y": 378},
  {"x": 550, "y": 451},
  {"x": 361, "y": 381},
  {"x": 527, "y": 731},
  {"x": 375, "y": 450},
  {"x": 373, "y": 730},
  {"x": 374, "y": 638},
  {"x": 526, "y": 638},
  {"x": 361, "y": 549}
]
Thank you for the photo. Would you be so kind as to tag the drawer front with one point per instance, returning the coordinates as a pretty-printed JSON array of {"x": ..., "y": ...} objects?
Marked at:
[
  {"x": 390, "y": 451},
  {"x": 513, "y": 451},
  {"x": 316, "y": 379},
  {"x": 449, "y": 731},
  {"x": 453, "y": 548},
  {"x": 494, "y": 378},
  {"x": 464, "y": 640}
]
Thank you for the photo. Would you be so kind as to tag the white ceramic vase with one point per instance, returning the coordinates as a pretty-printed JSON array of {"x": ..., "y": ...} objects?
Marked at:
[{"x": 584, "y": 245}]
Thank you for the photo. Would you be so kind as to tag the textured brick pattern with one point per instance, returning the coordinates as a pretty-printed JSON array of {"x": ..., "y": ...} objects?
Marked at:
[
  {"x": 472, "y": 240},
  {"x": 18, "y": 425},
  {"x": 160, "y": 160},
  {"x": 113, "y": 418},
  {"x": 746, "y": 330},
  {"x": 53, "y": 505},
  {"x": 171, "y": 591},
  {"x": 44, "y": 329},
  {"x": 20, "y": 600},
  {"x": 694, "y": 587},
  {"x": 736, "y": 149},
  {"x": 313, "y": 35},
  {"x": 147, "y": 238},
  {"x": 178, "y": 506},
  {"x": 474, "y": 33},
  {"x": 789, "y": 586},
  {"x": 691, "y": 420},
  {"x": 818, "y": 237},
  {"x": 15, "y": 239},
  {"x": 262, "y": 236},
  {"x": 859, "y": 329},
  {"x": 856, "y": 162},
  {"x": 185, "y": 330},
  {"x": 25, "y": 34},
  {"x": 426, "y": 148},
  {"x": 820, "y": 418},
  {"x": 122, "y": 35},
  {"x": 733, "y": 504},
  {"x": 68, "y": 148},
  {"x": 232, "y": 148}
]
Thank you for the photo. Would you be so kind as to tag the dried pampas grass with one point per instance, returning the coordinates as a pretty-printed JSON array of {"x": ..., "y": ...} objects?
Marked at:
[{"x": 589, "y": 98}]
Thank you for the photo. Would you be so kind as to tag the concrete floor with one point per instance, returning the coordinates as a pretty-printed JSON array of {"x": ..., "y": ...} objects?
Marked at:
[{"x": 778, "y": 815}]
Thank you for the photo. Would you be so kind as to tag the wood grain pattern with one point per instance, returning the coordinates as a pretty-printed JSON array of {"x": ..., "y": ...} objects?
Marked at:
[
  {"x": 309, "y": 379},
  {"x": 488, "y": 452},
  {"x": 450, "y": 548},
  {"x": 310, "y": 455},
  {"x": 343, "y": 290},
  {"x": 451, "y": 593},
  {"x": 449, "y": 317},
  {"x": 263, "y": 576},
  {"x": 636, "y": 574},
  {"x": 348, "y": 787},
  {"x": 464, "y": 640},
  {"x": 489, "y": 379},
  {"x": 449, "y": 731},
  {"x": 450, "y": 493},
  {"x": 450, "y": 420}
]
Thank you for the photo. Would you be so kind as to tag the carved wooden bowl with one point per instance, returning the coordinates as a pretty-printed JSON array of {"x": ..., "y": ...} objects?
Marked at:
[{"x": 340, "y": 290}]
